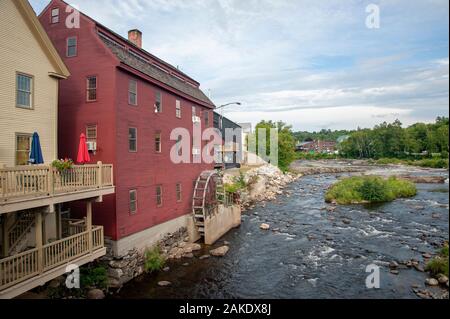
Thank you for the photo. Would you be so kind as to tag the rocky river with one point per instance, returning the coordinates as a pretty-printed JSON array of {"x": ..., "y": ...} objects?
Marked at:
[{"x": 315, "y": 250}]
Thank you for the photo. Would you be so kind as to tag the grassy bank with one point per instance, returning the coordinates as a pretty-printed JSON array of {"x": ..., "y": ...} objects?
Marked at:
[
  {"x": 428, "y": 162},
  {"x": 369, "y": 189},
  {"x": 316, "y": 156}
]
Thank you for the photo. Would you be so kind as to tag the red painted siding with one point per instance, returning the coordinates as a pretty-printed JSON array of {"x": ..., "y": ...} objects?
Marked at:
[{"x": 112, "y": 114}]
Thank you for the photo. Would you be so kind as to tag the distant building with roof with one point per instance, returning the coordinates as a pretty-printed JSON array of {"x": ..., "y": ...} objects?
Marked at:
[{"x": 230, "y": 152}]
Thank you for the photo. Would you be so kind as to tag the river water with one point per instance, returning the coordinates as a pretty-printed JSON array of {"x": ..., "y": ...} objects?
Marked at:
[{"x": 311, "y": 252}]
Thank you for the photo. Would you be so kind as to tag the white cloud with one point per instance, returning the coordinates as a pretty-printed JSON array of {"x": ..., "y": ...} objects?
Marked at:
[{"x": 297, "y": 58}]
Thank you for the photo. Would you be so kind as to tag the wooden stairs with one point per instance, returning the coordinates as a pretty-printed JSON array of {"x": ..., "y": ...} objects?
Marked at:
[{"x": 19, "y": 230}]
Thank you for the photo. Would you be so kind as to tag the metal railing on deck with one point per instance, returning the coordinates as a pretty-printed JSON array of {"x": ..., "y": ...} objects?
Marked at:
[{"x": 36, "y": 181}]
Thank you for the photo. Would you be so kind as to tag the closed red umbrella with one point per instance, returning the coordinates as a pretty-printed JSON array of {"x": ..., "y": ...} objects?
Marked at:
[{"x": 83, "y": 153}]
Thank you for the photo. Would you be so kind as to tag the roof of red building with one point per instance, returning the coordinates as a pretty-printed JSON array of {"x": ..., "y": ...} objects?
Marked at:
[{"x": 149, "y": 69}]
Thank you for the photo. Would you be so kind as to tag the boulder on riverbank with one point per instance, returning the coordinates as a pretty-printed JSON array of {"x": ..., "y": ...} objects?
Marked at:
[
  {"x": 219, "y": 252},
  {"x": 264, "y": 183},
  {"x": 95, "y": 294}
]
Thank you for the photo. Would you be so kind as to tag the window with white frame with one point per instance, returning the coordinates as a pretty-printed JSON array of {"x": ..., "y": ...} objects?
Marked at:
[
  {"x": 178, "y": 145},
  {"x": 23, "y": 147},
  {"x": 133, "y": 201},
  {"x": 91, "y": 133},
  {"x": 158, "y": 102},
  {"x": 132, "y": 139},
  {"x": 178, "y": 191},
  {"x": 132, "y": 92},
  {"x": 158, "y": 146},
  {"x": 72, "y": 47},
  {"x": 24, "y": 91},
  {"x": 55, "y": 15},
  {"x": 91, "y": 89},
  {"x": 159, "y": 200},
  {"x": 178, "y": 108}
]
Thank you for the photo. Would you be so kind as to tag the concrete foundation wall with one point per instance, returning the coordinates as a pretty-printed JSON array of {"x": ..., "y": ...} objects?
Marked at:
[
  {"x": 220, "y": 223},
  {"x": 151, "y": 236}
]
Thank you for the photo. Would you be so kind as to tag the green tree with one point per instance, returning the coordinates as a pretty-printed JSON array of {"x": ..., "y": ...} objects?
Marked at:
[
  {"x": 286, "y": 142},
  {"x": 391, "y": 140}
]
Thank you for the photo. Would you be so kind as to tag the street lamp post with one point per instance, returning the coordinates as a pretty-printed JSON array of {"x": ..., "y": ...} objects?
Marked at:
[
  {"x": 221, "y": 113},
  {"x": 224, "y": 105}
]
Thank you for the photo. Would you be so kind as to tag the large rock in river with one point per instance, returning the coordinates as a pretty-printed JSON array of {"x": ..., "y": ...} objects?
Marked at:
[{"x": 219, "y": 252}]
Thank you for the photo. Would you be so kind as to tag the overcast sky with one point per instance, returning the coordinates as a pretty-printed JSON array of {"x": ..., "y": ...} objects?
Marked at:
[{"x": 313, "y": 64}]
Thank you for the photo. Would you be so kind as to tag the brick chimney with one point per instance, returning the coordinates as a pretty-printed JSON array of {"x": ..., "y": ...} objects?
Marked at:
[{"x": 135, "y": 36}]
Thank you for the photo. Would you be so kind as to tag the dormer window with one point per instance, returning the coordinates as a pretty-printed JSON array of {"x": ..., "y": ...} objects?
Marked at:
[{"x": 55, "y": 15}]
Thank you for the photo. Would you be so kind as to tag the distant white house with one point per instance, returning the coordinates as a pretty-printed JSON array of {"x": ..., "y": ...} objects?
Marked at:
[{"x": 246, "y": 131}]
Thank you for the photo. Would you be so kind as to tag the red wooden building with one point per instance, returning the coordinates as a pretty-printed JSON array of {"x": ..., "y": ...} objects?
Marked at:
[{"x": 127, "y": 101}]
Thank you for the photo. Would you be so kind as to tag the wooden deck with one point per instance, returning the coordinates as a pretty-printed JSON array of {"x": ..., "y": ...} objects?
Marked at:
[
  {"x": 39, "y": 262},
  {"x": 25, "y": 187}
]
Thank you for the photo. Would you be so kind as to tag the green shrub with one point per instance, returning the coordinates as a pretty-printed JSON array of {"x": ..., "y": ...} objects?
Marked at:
[
  {"x": 237, "y": 185},
  {"x": 444, "y": 251},
  {"x": 345, "y": 191},
  {"x": 315, "y": 156},
  {"x": 93, "y": 276},
  {"x": 369, "y": 189},
  {"x": 231, "y": 188},
  {"x": 386, "y": 161},
  {"x": 439, "y": 264},
  {"x": 374, "y": 190},
  {"x": 154, "y": 261},
  {"x": 400, "y": 188},
  {"x": 435, "y": 162},
  {"x": 240, "y": 181}
]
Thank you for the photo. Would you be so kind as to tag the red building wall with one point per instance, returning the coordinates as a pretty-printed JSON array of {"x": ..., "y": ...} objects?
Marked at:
[
  {"x": 113, "y": 116},
  {"x": 146, "y": 168},
  {"x": 74, "y": 113}
]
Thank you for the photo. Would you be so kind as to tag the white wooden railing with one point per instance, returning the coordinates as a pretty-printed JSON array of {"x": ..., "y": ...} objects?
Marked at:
[
  {"x": 18, "y": 268},
  {"x": 40, "y": 181},
  {"x": 34, "y": 262},
  {"x": 72, "y": 227}
]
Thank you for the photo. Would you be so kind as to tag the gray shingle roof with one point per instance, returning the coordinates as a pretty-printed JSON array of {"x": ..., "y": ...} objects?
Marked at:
[{"x": 147, "y": 68}]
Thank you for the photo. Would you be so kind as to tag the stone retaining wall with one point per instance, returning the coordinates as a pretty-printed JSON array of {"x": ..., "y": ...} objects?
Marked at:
[{"x": 122, "y": 269}]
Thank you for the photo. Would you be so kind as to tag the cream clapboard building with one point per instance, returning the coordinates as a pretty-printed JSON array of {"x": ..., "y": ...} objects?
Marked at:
[
  {"x": 30, "y": 69},
  {"x": 37, "y": 238}
]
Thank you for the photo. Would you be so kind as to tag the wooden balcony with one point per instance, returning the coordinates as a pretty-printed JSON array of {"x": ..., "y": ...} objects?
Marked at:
[
  {"x": 22, "y": 272},
  {"x": 26, "y": 187}
]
